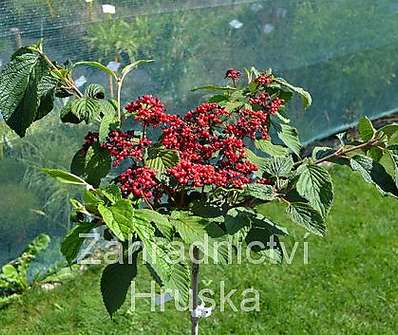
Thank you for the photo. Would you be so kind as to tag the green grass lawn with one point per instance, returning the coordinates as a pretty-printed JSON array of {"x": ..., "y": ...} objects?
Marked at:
[{"x": 349, "y": 286}]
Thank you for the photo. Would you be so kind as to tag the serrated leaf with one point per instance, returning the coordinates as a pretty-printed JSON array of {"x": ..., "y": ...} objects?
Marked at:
[
  {"x": 271, "y": 149},
  {"x": 192, "y": 230},
  {"x": 111, "y": 223},
  {"x": 160, "y": 159},
  {"x": 98, "y": 165},
  {"x": 19, "y": 95},
  {"x": 389, "y": 130},
  {"x": 115, "y": 282},
  {"x": 260, "y": 162},
  {"x": 108, "y": 123},
  {"x": 72, "y": 242},
  {"x": 260, "y": 191},
  {"x": 374, "y": 173},
  {"x": 289, "y": 136},
  {"x": 366, "y": 130},
  {"x": 316, "y": 185},
  {"x": 112, "y": 193},
  {"x": 279, "y": 166},
  {"x": 161, "y": 221},
  {"x": 306, "y": 216},
  {"x": 305, "y": 96},
  {"x": 123, "y": 222},
  {"x": 99, "y": 66},
  {"x": 235, "y": 220},
  {"x": 46, "y": 89},
  {"x": 66, "y": 177},
  {"x": 393, "y": 154}
]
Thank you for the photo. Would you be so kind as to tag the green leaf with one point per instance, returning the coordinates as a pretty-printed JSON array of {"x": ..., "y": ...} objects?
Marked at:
[
  {"x": 305, "y": 96},
  {"x": 111, "y": 223},
  {"x": 235, "y": 220},
  {"x": 374, "y": 173},
  {"x": 233, "y": 105},
  {"x": 112, "y": 193},
  {"x": 279, "y": 166},
  {"x": 214, "y": 88},
  {"x": 98, "y": 166},
  {"x": 289, "y": 136},
  {"x": 115, "y": 282},
  {"x": 123, "y": 222},
  {"x": 389, "y": 130},
  {"x": 260, "y": 191},
  {"x": 72, "y": 242},
  {"x": 99, "y": 66},
  {"x": 172, "y": 275},
  {"x": 161, "y": 221},
  {"x": 95, "y": 91},
  {"x": 108, "y": 123},
  {"x": 271, "y": 149},
  {"x": 306, "y": 216},
  {"x": 393, "y": 154},
  {"x": 46, "y": 91},
  {"x": 160, "y": 159},
  {"x": 20, "y": 98},
  {"x": 261, "y": 162},
  {"x": 126, "y": 70},
  {"x": 366, "y": 130},
  {"x": 10, "y": 272},
  {"x": 78, "y": 164},
  {"x": 81, "y": 109},
  {"x": 375, "y": 153},
  {"x": 316, "y": 185},
  {"x": 192, "y": 230},
  {"x": 66, "y": 177}
]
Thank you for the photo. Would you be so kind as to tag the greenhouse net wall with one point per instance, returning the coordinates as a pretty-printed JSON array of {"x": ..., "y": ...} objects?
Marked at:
[{"x": 344, "y": 52}]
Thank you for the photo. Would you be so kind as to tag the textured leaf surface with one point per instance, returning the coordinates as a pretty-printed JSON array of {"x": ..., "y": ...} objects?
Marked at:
[
  {"x": 115, "y": 282},
  {"x": 305, "y": 96},
  {"x": 315, "y": 185},
  {"x": 160, "y": 159},
  {"x": 306, "y": 216},
  {"x": 271, "y": 149},
  {"x": 374, "y": 173},
  {"x": 19, "y": 95},
  {"x": 279, "y": 166},
  {"x": 289, "y": 136},
  {"x": 72, "y": 242},
  {"x": 366, "y": 129},
  {"x": 260, "y": 191}
]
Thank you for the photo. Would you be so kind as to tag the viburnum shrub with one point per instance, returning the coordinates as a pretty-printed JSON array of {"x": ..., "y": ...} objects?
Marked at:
[{"x": 151, "y": 177}]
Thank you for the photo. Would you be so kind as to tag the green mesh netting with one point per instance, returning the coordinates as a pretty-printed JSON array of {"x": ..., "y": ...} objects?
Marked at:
[{"x": 343, "y": 51}]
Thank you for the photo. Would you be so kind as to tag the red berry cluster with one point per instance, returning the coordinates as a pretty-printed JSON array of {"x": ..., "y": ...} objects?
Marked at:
[
  {"x": 138, "y": 181},
  {"x": 210, "y": 155},
  {"x": 264, "y": 79},
  {"x": 210, "y": 141},
  {"x": 249, "y": 124},
  {"x": 148, "y": 109},
  {"x": 122, "y": 145},
  {"x": 232, "y": 74}
]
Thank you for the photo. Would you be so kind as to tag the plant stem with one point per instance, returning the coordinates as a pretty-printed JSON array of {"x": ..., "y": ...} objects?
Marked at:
[
  {"x": 67, "y": 81},
  {"x": 195, "y": 290},
  {"x": 119, "y": 99},
  {"x": 342, "y": 152}
]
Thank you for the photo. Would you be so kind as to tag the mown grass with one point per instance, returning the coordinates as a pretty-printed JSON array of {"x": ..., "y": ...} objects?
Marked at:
[{"x": 348, "y": 287}]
